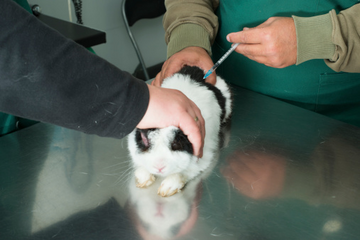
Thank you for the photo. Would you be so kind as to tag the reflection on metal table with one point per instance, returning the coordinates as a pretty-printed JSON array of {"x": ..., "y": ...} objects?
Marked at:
[{"x": 285, "y": 173}]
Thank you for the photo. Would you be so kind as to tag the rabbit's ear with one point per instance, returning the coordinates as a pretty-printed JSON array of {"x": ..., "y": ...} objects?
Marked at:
[{"x": 142, "y": 139}]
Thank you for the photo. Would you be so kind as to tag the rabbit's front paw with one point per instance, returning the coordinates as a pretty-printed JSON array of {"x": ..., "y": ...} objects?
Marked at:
[
  {"x": 143, "y": 178},
  {"x": 171, "y": 185}
]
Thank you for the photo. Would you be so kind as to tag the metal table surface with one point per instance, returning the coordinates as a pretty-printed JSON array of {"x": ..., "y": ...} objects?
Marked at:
[{"x": 284, "y": 173}]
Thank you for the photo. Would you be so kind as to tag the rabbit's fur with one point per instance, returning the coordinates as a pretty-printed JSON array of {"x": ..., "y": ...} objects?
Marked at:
[{"x": 167, "y": 153}]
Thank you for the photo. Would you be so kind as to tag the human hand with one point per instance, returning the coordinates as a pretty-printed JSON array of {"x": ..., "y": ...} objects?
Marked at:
[
  {"x": 168, "y": 107},
  {"x": 191, "y": 56},
  {"x": 272, "y": 43},
  {"x": 256, "y": 175}
]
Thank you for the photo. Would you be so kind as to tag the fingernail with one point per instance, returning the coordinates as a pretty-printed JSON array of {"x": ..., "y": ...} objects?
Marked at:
[
  {"x": 228, "y": 38},
  {"x": 246, "y": 28}
]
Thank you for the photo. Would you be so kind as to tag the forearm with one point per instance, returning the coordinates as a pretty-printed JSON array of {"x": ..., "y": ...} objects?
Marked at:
[
  {"x": 346, "y": 32},
  {"x": 48, "y": 78},
  {"x": 332, "y": 37},
  {"x": 190, "y": 23}
]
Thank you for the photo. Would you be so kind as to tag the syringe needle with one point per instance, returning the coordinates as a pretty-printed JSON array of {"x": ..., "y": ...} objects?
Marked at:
[{"x": 221, "y": 60}]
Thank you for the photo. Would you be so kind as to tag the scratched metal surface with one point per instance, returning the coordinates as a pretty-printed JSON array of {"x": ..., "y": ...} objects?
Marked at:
[{"x": 284, "y": 173}]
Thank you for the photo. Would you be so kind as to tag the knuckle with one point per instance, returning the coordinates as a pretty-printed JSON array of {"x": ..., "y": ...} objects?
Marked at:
[{"x": 268, "y": 36}]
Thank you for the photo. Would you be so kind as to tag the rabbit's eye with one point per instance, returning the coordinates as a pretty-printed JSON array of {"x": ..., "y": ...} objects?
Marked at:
[
  {"x": 176, "y": 146},
  {"x": 181, "y": 142}
]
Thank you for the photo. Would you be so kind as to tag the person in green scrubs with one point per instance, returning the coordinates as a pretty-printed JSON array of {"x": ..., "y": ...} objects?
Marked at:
[{"x": 306, "y": 53}]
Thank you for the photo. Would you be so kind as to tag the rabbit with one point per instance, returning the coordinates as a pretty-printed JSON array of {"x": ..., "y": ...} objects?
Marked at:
[{"x": 167, "y": 153}]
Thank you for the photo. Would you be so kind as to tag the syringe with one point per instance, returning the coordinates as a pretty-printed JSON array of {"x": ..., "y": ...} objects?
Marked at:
[{"x": 221, "y": 60}]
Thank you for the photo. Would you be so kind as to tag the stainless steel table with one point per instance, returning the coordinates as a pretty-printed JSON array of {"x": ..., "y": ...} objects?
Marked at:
[{"x": 283, "y": 173}]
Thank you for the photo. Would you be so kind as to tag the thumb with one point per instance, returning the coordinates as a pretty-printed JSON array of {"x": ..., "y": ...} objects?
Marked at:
[{"x": 247, "y": 36}]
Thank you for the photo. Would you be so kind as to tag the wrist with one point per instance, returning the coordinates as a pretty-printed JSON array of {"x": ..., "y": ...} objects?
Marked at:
[
  {"x": 188, "y": 35},
  {"x": 142, "y": 120},
  {"x": 314, "y": 38}
]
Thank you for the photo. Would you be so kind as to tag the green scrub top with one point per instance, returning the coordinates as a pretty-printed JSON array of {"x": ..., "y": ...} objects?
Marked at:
[
  {"x": 24, "y": 4},
  {"x": 311, "y": 85}
]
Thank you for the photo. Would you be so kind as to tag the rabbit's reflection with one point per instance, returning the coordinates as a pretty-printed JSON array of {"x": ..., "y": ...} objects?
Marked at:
[{"x": 156, "y": 217}]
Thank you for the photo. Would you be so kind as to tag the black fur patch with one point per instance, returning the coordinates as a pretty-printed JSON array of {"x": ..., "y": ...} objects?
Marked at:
[
  {"x": 197, "y": 74},
  {"x": 181, "y": 143},
  {"x": 143, "y": 146}
]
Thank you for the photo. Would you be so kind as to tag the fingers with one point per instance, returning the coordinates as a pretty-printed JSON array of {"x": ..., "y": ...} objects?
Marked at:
[
  {"x": 211, "y": 78},
  {"x": 251, "y": 49},
  {"x": 157, "y": 81},
  {"x": 170, "y": 67},
  {"x": 201, "y": 124},
  {"x": 258, "y": 53},
  {"x": 272, "y": 43},
  {"x": 193, "y": 126},
  {"x": 253, "y": 35},
  {"x": 190, "y": 56},
  {"x": 248, "y": 36}
]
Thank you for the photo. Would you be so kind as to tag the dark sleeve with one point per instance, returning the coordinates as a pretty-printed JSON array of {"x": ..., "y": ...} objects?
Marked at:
[{"x": 48, "y": 78}]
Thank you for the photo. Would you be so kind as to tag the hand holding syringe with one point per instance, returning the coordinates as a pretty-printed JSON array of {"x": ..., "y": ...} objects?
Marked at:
[{"x": 221, "y": 60}]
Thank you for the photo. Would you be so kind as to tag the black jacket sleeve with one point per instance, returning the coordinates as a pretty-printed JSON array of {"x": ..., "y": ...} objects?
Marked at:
[{"x": 48, "y": 78}]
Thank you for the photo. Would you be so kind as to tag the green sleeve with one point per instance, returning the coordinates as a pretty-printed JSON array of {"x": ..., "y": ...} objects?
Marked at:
[
  {"x": 190, "y": 23},
  {"x": 333, "y": 37},
  {"x": 314, "y": 38}
]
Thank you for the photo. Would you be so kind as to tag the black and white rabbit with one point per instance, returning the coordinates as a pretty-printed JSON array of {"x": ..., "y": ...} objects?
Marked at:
[{"x": 167, "y": 153}]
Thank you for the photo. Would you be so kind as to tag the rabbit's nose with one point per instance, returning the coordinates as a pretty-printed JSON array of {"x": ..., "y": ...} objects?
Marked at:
[{"x": 159, "y": 167}]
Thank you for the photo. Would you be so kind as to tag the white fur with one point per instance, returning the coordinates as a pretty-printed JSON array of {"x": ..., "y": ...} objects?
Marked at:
[{"x": 175, "y": 162}]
